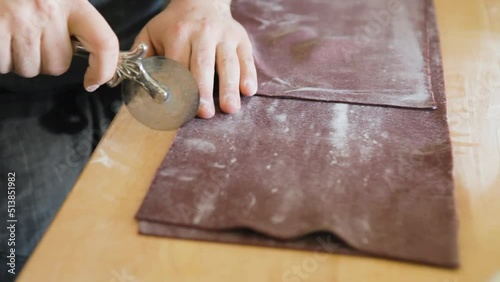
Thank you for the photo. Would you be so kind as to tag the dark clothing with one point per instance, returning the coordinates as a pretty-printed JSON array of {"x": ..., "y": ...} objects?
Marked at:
[{"x": 49, "y": 126}]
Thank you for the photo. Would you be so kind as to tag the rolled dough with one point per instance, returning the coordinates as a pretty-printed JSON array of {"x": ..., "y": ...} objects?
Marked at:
[{"x": 295, "y": 173}]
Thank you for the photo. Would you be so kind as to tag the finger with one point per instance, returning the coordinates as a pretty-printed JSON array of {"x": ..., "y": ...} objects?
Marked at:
[
  {"x": 180, "y": 48},
  {"x": 248, "y": 77},
  {"x": 228, "y": 69},
  {"x": 179, "y": 51},
  {"x": 144, "y": 38},
  {"x": 86, "y": 24},
  {"x": 56, "y": 50},
  {"x": 203, "y": 69},
  {"x": 25, "y": 51},
  {"x": 5, "y": 54}
]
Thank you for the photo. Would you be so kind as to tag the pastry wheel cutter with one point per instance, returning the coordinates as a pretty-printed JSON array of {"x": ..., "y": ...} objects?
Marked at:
[{"x": 159, "y": 92}]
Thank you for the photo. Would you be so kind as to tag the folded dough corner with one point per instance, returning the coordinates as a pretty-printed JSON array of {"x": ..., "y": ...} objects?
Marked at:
[{"x": 345, "y": 149}]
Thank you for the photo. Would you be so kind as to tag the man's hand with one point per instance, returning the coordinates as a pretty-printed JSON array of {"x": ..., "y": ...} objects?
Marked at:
[
  {"x": 202, "y": 35},
  {"x": 35, "y": 39}
]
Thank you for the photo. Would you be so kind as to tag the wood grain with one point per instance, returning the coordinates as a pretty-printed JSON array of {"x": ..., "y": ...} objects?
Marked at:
[{"x": 94, "y": 236}]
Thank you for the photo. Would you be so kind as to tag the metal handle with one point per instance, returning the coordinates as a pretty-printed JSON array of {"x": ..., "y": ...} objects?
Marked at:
[
  {"x": 130, "y": 67},
  {"x": 79, "y": 50}
]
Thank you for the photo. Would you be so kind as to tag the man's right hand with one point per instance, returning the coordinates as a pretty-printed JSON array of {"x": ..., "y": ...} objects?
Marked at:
[{"x": 35, "y": 39}]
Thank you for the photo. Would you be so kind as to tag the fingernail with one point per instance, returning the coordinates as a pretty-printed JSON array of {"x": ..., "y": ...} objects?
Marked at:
[
  {"x": 92, "y": 88},
  {"x": 205, "y": 104},
  {"x": 251, "y": 86}
]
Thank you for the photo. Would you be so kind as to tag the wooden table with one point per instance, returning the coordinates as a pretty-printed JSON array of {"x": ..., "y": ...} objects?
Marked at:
[{"x": 94, "y": 236}]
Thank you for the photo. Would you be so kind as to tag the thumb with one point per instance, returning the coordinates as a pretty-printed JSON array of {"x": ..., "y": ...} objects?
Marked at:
[{"x": 92, "y": 30}]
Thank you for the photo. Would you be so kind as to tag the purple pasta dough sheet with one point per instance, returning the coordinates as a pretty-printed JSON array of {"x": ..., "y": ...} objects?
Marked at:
[
  {"x": 315, "y": 175},
  {"x": 357, "y": 51}
]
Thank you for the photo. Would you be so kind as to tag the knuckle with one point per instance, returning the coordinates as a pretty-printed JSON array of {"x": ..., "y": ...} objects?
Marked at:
[
  {"x": 47, "y": 11},
  {"x": 206, "y": 25},
  {"x": 202, "y": 61},
  {"x": 229, "y": 86},
  {"x": 27, "y": 37},
  {"x": 19, "y": 20},
  {"x": 204, "y": 50},
  {"x": 181, "y": 27},
  {"x": 226, "y": 60},
  {"x": 247, "y": 60},
  {"x": 30, "y": 41},
  {"x": 109, "y": 44},
  {"x": 239, "y": 29},
  {"x": 47, "y": 7}
]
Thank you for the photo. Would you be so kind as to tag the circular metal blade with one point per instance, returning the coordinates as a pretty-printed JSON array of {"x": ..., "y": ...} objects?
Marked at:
[{"x": 183, "y": 95}]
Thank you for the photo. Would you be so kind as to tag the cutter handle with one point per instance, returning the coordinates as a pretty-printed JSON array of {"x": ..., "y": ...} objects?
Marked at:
[
  {"x": 130, "y": 67},
  {"x": 79, "y": 50}
]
